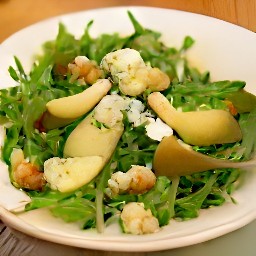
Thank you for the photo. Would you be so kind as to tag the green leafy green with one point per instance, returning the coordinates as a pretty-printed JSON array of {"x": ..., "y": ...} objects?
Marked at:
[
  {"x": 248, "y": 125},
  {"x": 188, "y": 207},
  {"x": 76, "y": 209},
  {"x": 91, "y": 205}
]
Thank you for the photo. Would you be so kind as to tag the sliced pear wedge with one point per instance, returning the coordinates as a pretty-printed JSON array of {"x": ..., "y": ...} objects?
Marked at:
[
  {"x": 242, "y": 100},
  {"x": 88, "y": 140},
  {"x": 69, "y": 174},
  {"x": 50, "y": 122},
  {"x": 202, "y": 128},
  {"x": 79, "y": 104},
  {"x": 175, "y": 158}
]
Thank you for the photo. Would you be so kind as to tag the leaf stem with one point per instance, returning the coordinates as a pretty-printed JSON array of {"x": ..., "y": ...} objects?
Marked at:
[
  {"x": 172, "y": 193},
  {"x": 99, "y": 211}
]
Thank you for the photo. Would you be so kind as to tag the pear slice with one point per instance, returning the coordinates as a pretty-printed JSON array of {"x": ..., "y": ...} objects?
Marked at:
[
  {"x": 74, "y": 106},
  {"x": 242, "y": 100},
  {"x": 88, "y": 140},
  {"x": 69, "y": 174},
  {"x": 50, "y": 122},
  {"x": 202, "y": 128},
  {"x": 175, "y": 158}
]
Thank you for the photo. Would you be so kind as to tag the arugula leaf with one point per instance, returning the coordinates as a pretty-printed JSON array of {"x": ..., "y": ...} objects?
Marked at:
[
  {"x": 193, "y": 95},
  {"x": 188, "y": 207},
  {"x": 76, "y": 209},
  {"x": 247, "y": 123},
  {"x": 187, "y": 43},
  {"x": 190, "y": 89},
  {"x": 97, "y": 48},
  {"x": 160, "y": 200}
]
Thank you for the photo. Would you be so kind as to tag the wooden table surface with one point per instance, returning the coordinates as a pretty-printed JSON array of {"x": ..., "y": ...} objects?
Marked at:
[{"x": 17, "y": 14}]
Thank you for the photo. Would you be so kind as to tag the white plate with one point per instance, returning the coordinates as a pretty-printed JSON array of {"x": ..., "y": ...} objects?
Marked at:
[{"x": 226, "y": 50}]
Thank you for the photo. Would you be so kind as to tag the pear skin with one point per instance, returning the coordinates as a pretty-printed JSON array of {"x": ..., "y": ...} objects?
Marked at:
[
  {"x": 89, "y": 140},
  {"x": 75, "y": 106},
  {"x": 201, "y": 128}
]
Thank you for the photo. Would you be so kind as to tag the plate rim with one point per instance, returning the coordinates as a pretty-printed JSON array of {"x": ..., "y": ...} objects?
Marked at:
[
  {"x": 120, "y": 245},
  {"x": 125, "y": 7}
]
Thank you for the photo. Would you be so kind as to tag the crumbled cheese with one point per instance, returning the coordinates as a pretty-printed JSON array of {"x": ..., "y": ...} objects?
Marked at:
[
  {"x": 157, "y": 129},
  {"x": 135, "y": 108},
  {"x": 135, "y": 113}
]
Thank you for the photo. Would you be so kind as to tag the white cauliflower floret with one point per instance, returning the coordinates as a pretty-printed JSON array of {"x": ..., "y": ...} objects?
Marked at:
[
  {"x": 136, "y": 220},
  {"x": 129, "y": 70},
  {"x": 137, "y": 180},
  {"x": 122, "y": 62},
  {"x": 119, "y": 182},
  {"x": 136, "y": 84},
  {"x": 71, "y": 173},
  {"x": 108, "y": 111},
  {"x": 157, "y": 129}
]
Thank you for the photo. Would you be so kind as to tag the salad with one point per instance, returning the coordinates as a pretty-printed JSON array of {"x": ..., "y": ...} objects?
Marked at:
[{"x": 81, "y": 132}]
